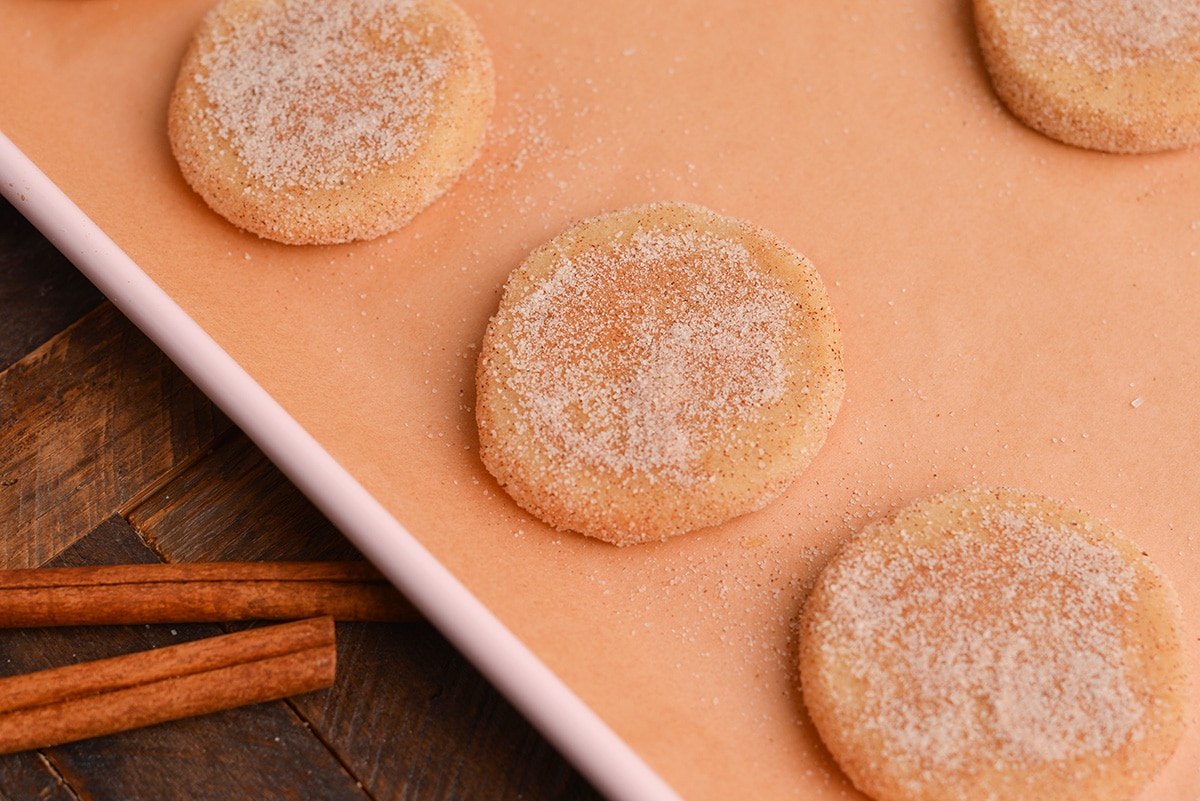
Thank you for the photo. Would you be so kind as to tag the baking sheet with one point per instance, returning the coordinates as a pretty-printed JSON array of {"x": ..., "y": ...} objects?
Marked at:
[{"x": 1015, "y": 311}]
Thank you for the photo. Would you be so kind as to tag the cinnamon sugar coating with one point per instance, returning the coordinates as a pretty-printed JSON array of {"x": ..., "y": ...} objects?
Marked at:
[
  {"x": 1121, "y": 76},
  {"x": 323, "y": 121},
  {"x": 657, "y": 370},
  {"x": 992, "y": 644}
]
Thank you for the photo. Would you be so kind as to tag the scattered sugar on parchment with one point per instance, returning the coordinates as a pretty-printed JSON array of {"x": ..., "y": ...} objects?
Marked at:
[
  {"x": 313, "y": 93},
  {"x": 732, "y": 606}
]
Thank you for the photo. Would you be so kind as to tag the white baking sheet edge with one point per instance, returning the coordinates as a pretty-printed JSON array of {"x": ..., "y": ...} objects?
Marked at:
[{"x": 584, "y": 739}]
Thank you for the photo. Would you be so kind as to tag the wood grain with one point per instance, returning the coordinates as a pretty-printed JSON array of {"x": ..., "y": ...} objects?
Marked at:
[
  {"x": 407, "y": 714},
  {"x": 91, "y": 419},
  {"x": 109, "y": 455},
  {"x": 260, "y": 751},
  {"x": 235, "y": 505},
  {"x": 29, "y": 776},
  {"x": 415, "y": 720},
  {"x": 41, "y": 292},
  {"x": 136, "y": 690}
]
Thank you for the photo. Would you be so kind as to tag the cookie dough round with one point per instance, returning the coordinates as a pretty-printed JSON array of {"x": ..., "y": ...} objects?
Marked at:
[
  {"x": 323, "y": 121},
  {"x": 656, "y": 370},
  {"x": 1121, "y": 76},
  {"x": 992, "y": 644}
]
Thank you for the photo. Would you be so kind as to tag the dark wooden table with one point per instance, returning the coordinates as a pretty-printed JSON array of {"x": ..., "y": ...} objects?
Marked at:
[{"x": 108, "y": 454}]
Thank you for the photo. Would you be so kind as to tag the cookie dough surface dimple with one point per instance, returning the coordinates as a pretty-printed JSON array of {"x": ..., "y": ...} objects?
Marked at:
[
  {"x": 657, "y": 370},
  {"x": 991, "y": 644},
  {"x": 323, "y": 121},
  {"x": 1121, "y": 76}
]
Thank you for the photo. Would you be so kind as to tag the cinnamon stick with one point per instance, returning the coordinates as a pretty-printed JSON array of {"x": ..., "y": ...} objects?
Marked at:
[
  {"x": 197, "y": 592},
  {"x": 71, "y": 703}
]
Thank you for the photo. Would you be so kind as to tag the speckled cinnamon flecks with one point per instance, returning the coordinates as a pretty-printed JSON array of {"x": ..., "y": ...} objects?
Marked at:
[
  {"x": 1115, "y": 75},
  {"x": 657, "y": 370},
  {"x": 993, "y": 644},
  {"x": 320, "y": 121}
]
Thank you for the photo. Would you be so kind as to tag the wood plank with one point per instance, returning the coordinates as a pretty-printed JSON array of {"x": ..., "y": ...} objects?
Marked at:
[
  {"x": 234, "y": 505},
  {"x": 412, "y": 719},
  {"x": 90, "y": 420},
  {"x": 259, "y": 751},
  {"x": 96, "y": 420},
  {"x": 407, "y": 715},
  {"x": 41, "y": 293},
  {"x": 28, "y": 776}
]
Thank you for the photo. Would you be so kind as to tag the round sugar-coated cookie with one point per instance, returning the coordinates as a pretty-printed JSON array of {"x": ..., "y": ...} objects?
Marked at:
[
  {"x": 1121, "y": 76},
  {"x": 993, "y": 644},
  {"x": 323, "y": 121},
  {"x": 657, "y": 370}
]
